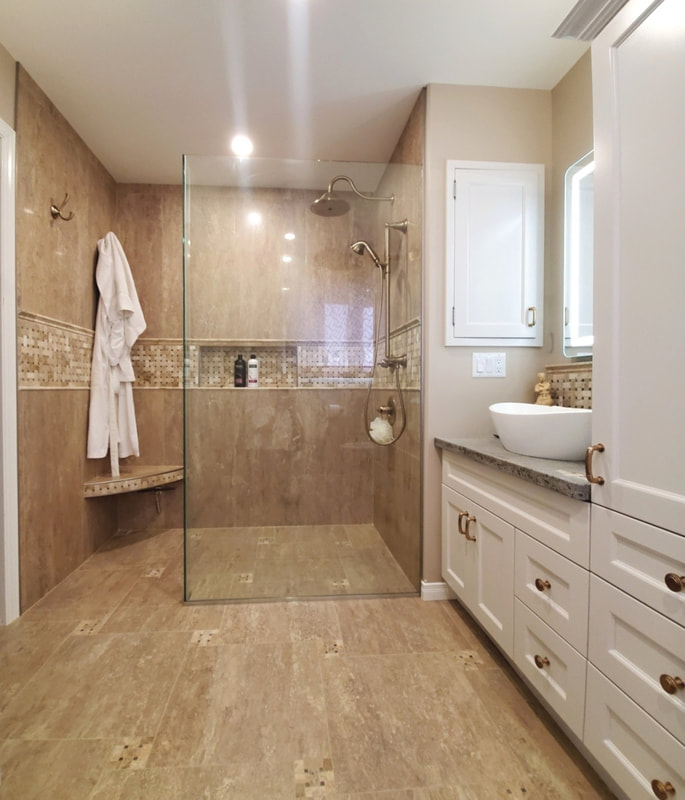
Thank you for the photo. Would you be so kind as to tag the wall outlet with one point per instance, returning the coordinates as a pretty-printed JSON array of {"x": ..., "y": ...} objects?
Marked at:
[{"x": 489, "y": 365}]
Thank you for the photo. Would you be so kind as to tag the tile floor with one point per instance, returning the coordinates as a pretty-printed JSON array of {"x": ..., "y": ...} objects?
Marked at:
[
  {"x": 111, "y": 689},
  {"x": 293, "y": 561}
]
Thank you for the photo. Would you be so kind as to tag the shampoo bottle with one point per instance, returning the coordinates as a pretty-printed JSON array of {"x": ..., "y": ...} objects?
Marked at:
[
  {"x": 239, "y": 372},
  {"x": 252, "y": 372}
]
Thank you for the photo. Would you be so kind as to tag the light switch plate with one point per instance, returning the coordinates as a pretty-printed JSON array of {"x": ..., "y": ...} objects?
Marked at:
[{"x": 489, "y": 365}]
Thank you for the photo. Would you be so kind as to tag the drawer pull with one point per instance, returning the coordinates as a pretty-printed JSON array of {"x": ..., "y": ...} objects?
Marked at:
[
  {"x": 541, "y": 585},
  {"x": 671, "y": 684},
  {"x": 598, "y": 479},
  {"x": 541, "y": 661},
  {"x": 466, "y": 533},
  {"x": 675, "y": 582},
  {"x": 461, "y": 516},
  {"x": 663, "y": 790}
]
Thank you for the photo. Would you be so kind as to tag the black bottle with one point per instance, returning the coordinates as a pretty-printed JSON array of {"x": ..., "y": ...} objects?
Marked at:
[{"x": 239, "y": 372}]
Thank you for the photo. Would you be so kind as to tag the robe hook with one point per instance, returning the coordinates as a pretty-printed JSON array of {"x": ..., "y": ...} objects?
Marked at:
[{"x": 56, "y": 211}]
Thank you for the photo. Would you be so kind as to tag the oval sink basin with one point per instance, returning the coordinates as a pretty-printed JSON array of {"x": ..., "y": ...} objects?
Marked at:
[{"x": 543, "y": 431}]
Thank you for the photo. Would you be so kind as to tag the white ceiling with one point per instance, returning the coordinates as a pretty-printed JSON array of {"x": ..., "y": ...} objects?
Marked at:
[{"x": 143, "y": 81}]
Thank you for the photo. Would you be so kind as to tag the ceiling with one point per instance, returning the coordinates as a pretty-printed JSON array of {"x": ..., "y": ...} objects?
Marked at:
[{"x": 144, "y": 81}]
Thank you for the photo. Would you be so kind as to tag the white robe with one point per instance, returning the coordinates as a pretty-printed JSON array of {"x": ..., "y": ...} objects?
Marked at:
[{"x": 118, "y": 324}]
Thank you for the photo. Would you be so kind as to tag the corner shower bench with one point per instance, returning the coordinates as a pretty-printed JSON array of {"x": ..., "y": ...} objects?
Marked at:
[{"x": 134, "y": 478}]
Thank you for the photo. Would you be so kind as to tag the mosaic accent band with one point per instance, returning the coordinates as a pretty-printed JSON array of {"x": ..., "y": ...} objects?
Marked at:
[{"x": 55, "y": 354}]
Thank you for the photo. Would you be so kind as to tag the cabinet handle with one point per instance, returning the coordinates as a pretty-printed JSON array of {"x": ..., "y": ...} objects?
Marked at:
[
  {"x": 461, "y": 516},
  {"x": 663, "y": 790},
  {"x": 541, "y": 661},
  {"x": 671, "y": 684},
  {"x": 466, "y": 533},
  {"x": 541, "y": 585},
  {"x": 674, "y": 582},
  {"x": 531, "y": 309},
  {"x": 588, "y": 463}
]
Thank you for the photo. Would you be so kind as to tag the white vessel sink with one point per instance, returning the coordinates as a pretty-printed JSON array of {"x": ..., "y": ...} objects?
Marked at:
[{"x": 543, "y": 431}]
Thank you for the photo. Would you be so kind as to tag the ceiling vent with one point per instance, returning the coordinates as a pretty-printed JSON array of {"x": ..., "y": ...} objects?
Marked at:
[{"x": 587, "y": 18}]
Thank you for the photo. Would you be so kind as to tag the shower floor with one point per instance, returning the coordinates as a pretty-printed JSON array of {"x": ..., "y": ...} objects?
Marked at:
[{"x": 294, "y": 561}]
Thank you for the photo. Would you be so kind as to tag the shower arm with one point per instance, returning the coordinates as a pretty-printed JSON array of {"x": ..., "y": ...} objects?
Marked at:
[{"x": 337, "y": 178}]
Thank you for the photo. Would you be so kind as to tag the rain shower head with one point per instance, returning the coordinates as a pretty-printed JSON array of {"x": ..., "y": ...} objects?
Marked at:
[
  {"x": 362, "y": 247},
  {"x": 332, "y": 205}
]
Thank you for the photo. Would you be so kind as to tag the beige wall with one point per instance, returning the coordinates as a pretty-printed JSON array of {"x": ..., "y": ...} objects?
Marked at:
[
  {"x": 571, "y": 139},
  {"x": 480, "y": 124},
  {"x": 58, "y": 529},
  {"x": 7, "y": 86}
]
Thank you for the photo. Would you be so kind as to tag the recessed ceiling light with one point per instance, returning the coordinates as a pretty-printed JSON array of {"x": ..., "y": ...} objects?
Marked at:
[
  {"x": 289, "y": 236},
  {"x": 287, "y": 259},
  {"x": 254, "y": 218},
  {"x": 241, "y": 145}
]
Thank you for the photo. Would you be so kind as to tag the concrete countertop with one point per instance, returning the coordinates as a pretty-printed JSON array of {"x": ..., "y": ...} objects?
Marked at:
[{"x": 566, "y": 477}]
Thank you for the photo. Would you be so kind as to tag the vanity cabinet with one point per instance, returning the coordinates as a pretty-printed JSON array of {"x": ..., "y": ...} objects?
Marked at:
[{"x": 516, "y": 556}]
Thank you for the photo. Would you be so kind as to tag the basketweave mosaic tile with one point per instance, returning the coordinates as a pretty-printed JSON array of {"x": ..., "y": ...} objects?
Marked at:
[
  {"x": 52, "y": 353},
  {"x": 571, "y": 384}
]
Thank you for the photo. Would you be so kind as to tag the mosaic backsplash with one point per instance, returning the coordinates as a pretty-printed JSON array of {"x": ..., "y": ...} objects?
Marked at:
[
  {"x": 53, "y": 354},
  {"x": 571, "y": 384}
]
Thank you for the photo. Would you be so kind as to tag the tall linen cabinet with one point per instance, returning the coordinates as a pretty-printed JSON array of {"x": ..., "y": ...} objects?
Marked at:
[{"x": 635, "y": 702}]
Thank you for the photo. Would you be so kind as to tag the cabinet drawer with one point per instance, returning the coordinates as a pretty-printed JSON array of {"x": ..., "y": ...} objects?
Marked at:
[
  {"x": 633, "y": 646},
  {"x": 554, "y": 588},
  {"x": 560, "y": 522},
  {"x": 637, "y": 557},
  {"x": 560, "y": 678},
  {"x": 628, "y": 743}
]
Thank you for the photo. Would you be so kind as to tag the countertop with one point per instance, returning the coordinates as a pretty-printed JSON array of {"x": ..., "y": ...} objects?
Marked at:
[{"x": 566, "y": 477}]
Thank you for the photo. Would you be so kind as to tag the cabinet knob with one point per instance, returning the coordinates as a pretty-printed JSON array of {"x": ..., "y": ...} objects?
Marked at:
[
  {"x": 663, "y": 790},
  {"x": 675, "y": 582},
  {"x": 466, "y": 533},
  {"x": 541, "y": 585},
  {"x": 598, "y": 479},
  {"x": 670, "y": 684},
  {"x": 541, "y": 661}
]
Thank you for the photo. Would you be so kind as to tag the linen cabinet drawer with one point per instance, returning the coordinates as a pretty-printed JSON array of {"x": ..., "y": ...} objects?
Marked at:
[
  {"x": 642, "y": 652},
  {"x": 645, "y": 561},
  {"x": 634, "y": 749},
  {"x": 554, "y": 588},
  {"x": 560, "y": 522},
  {"x": 552, "y": 666}
]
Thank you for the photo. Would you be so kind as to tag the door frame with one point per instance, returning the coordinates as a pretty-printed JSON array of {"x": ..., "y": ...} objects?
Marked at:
[{"x": 9, "y": 489}]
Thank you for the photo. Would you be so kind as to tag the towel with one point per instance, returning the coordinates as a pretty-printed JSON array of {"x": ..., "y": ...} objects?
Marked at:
[{"x": 119, "y": 322}]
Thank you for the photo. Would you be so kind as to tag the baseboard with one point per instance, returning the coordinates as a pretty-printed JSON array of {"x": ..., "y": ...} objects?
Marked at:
[{"x": 436, "y": 590}]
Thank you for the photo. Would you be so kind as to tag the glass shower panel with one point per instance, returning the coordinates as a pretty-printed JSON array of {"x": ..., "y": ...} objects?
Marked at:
[{"x": 281, "y": 480}]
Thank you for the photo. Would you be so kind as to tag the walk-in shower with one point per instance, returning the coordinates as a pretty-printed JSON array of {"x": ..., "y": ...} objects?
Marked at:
[{"x": 287, "y": 493}]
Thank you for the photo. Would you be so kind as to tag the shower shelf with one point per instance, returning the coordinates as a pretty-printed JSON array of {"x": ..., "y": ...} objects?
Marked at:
[{"x": 133, "y": 478}]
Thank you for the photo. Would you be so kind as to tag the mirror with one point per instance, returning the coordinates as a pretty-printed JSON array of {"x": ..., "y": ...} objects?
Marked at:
[{"x": 578, "y": 249}]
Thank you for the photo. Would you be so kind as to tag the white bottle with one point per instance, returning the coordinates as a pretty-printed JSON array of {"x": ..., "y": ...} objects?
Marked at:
[{"x": 252, "y": 372}]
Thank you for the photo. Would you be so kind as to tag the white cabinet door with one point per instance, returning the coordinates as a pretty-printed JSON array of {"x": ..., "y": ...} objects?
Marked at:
[
  {"x": 495, "y": 253},
  {"x": 638, "y": 65},
  {"x": 478, "y": 564},
  {"x": 458, "y": 559}
]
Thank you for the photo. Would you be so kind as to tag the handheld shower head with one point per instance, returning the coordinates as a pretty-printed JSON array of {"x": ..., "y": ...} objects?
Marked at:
[{"x": 362, "y": 247}]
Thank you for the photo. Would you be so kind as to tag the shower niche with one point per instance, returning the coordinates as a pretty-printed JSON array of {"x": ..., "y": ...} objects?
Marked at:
[{"x": 286, "y": 495}]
